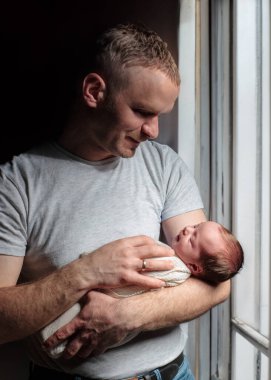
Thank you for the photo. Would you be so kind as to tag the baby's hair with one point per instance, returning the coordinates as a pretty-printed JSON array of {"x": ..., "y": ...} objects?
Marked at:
[{"x": 223, "y": 265}]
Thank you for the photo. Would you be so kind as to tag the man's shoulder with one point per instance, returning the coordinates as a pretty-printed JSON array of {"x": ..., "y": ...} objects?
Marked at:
[
  {"x": 156, "y": 149},
  {"x": 156, "y": 146},
  {"x": 27, "y": 161}
]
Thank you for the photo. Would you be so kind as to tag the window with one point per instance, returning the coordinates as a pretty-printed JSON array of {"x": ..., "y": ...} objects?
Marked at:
[
  {"x": 251, "y": 188},
  {"x": 224, "y": 136}
]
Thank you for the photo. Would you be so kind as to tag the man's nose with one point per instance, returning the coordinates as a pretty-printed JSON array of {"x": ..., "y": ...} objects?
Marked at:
[{"x": 151, "y": 128}]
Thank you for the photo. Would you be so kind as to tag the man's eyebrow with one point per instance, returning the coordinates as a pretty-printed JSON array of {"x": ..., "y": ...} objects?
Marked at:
[
  {"x": 145, "y": 111},
  {"x": 148, "y": 109}
]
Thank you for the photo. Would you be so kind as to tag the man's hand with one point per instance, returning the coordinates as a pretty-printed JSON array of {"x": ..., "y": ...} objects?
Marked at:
[
  {"x": 105, "y": 321},
  {"x": 120, "y": 263},
  {"x": 93, "y": 330}
]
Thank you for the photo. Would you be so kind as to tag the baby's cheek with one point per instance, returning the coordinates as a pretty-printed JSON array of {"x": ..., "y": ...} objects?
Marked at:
[{"x": 176, "y": 247}]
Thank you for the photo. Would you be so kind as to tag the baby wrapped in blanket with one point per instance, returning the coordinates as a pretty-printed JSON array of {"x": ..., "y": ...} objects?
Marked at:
[
  {"x": 172, "y": 277},
  {"x": 207, "y": 251}
]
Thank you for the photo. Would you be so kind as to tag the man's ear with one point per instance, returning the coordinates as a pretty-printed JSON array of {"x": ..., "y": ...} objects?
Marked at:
[
  {"x": 194, "y": 268},
  {"x": 93, "y": 89}
]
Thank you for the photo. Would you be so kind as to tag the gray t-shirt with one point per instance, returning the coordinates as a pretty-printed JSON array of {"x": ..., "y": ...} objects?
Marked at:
[{"x": 54, "y": 206}]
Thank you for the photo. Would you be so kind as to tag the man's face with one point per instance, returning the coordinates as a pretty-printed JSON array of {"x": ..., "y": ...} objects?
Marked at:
[
  {"x": 192, "y": 240},
  {"x": 130, "y": 116}
]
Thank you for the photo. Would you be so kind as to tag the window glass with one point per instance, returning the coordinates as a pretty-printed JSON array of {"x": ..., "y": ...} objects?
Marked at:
[{"x": 251, "y": 185}]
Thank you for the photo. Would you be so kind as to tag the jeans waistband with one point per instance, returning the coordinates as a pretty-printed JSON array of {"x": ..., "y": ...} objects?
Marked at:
[{"x": 167, "y": 372}]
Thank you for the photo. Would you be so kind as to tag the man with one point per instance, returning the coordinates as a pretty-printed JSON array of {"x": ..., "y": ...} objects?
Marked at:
[{"x": 98, "y": 190}]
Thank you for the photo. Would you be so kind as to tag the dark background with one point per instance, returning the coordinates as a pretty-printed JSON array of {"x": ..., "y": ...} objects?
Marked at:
[{"x": 39, "y": 42}]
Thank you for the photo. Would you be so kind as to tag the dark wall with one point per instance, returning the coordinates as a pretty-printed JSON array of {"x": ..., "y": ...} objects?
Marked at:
[
  {"x": 38, "y": 40},
  {"x": 39, "y": 43}
]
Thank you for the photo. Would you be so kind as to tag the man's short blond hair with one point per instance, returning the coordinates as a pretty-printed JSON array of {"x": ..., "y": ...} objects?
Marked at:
[{"x": 128, "y": 45}]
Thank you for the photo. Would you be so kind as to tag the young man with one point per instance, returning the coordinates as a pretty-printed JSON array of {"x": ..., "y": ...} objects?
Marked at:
[{"x": 62, "y": 199}]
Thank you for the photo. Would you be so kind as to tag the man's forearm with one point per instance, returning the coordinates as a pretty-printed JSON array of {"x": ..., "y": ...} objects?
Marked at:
[
  {"x": 171, "y": 306},
  {"x": 26, "y": 308},
  {"x": 105, "y": 321}
]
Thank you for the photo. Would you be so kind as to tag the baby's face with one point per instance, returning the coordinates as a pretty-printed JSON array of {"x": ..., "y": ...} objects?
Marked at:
[{"x": 192, "y": 240}]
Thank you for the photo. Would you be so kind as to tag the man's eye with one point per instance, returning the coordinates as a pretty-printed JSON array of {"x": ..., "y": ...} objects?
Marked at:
[
  {"x": 143, "y": 113},
  {"x": 140, "y": 112}
]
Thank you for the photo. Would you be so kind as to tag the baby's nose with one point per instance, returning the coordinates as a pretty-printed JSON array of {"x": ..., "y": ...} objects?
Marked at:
[{"x": 187, "y": 230}]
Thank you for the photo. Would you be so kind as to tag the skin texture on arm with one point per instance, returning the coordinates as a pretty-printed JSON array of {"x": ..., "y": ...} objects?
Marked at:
[
  {"x": 103, "y": 321},
  {"x": 176, "y": 305},
  {"x": 26, "y": 308}
]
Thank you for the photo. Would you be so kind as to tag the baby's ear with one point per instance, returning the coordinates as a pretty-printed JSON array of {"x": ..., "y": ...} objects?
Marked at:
[{"x": 195, "y": 269}]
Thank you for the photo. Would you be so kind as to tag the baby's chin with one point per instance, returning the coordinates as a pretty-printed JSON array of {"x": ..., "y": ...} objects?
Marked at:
[
  {"x": 175, "y": 247},
  {"x": 173, "y": 244}
]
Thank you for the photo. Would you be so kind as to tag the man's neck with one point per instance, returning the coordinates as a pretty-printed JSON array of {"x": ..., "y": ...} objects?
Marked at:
[{"x": 73, "y": 143}]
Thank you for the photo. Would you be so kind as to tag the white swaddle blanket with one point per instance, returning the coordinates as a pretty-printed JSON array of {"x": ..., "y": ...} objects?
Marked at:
[{"x": 172, "y": 277}]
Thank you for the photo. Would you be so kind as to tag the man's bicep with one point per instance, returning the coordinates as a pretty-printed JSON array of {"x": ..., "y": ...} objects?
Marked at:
[
  {"x": 10, "y": 268},
  {"x": 172, "y": 226}
]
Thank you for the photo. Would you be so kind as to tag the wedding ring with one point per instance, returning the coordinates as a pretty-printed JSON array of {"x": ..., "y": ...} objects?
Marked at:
[{"x": 144, "y": 264}]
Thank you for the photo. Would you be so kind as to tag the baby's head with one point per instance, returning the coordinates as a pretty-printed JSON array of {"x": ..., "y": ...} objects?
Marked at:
[{"x": 210, "y": 251}]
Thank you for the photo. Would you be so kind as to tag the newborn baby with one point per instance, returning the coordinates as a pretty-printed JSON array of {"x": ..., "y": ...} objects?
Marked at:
[{"x": 207, "y": 251}]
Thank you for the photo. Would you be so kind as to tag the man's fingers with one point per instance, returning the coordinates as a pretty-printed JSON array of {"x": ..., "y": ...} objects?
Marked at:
[
  {"x": 154, "y": 250},
  {"x": 72, "y": 348},
  {"x": 142, "y": 277},
  {"x": 141, "y": 240},
  {"x": 159, "y": 264},
  {"x": 147, "y": 282},
  {"x": 60, "y": 335},
  {"x": 82, "y": 345},
  {"x": 85, "y": 352},
  {"x": 90, "y": 345}
]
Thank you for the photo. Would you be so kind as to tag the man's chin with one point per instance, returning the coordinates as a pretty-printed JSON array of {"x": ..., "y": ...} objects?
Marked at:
[{"x": 127, "y": 153}]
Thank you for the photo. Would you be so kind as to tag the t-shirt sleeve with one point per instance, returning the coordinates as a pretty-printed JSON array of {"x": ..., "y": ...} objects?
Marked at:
[
  {"x": 181, "y": 192},
  {"x": 13, "y": 237}
]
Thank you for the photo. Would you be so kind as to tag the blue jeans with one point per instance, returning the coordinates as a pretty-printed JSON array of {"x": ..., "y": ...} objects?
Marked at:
[{"x": 184, "y": 372}]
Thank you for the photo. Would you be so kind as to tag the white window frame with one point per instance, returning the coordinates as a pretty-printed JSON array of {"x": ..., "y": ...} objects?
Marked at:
[
  {"x": 252, "y": 83},
  {"x": 207, "y": 125},
  {"x": 201, "y": 131}
]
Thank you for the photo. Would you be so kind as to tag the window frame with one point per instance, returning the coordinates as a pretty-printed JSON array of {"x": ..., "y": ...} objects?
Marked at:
[{"x": 207, "y": 129}]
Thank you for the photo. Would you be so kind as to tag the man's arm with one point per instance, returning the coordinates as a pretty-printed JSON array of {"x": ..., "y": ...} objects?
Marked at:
[
  {"x": 176, "y": 305},
  {"x": 103, "y": 320},
  {"x": 172, "y": 226},
  {"x": 181, "y": 303},
  {"x": 26, "y": 308},
  {"x": 170, "y": 306}
]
